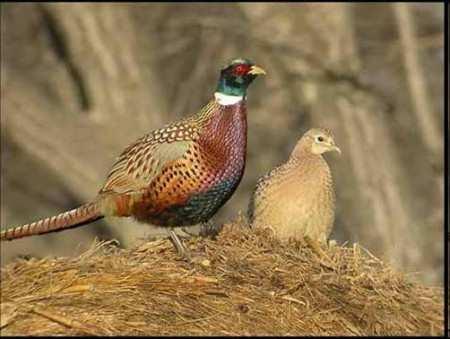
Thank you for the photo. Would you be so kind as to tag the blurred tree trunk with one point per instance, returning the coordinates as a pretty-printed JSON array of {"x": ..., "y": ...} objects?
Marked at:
[{"x": 416, "y": 79}]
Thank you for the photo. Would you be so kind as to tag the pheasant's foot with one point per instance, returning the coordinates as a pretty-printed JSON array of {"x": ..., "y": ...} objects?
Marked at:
[
  {"x": 314, "y": 245},
  {"x": 179, "y": 246},
  {"x": 188, "y": 255},
  {"x": 317, "y": 249}
]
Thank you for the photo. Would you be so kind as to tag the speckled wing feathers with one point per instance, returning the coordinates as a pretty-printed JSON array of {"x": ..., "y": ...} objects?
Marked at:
[{"x": 143, "y": 160}]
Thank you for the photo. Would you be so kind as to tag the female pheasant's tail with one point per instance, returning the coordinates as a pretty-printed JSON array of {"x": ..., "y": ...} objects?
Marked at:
[{"x": 77, "y": 217}]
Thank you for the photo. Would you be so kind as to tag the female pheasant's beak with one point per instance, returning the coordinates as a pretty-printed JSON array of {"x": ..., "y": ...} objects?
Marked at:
[
  {"x": 337, "y": 149},
  {"x": 333, "y": 147},
  {"x": 256, "y": 70}
]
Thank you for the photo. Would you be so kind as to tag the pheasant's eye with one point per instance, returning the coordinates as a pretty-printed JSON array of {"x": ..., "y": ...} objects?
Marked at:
[
  {"x": 320, "y": 139},
  {"x": 240, "y": 69}
]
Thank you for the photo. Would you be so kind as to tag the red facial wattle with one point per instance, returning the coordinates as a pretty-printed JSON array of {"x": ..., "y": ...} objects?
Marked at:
[{"x": 241, "y": 70}]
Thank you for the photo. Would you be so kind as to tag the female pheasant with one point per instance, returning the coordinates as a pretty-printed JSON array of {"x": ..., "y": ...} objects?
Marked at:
[
  {"x": 297, "y": 198},
  {"x": 178, "y": 175}
]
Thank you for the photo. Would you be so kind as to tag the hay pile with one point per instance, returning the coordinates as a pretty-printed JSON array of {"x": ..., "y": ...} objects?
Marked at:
[{"x": 250, "y": 284}]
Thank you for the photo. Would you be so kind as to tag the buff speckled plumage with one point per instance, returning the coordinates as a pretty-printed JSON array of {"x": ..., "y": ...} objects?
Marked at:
[
  {"x": 178, "y": 175},
  {"x": 297, "y": 199}
]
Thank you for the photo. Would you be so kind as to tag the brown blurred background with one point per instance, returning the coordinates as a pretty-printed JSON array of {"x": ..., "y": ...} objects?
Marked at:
[{"x": 79, "y": 82}]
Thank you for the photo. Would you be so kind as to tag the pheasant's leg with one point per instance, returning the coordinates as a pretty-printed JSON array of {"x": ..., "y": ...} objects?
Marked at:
[
  {"x": 181, "y": 249},
  {"x": 314, "y": 245},
  {"x": 192, "y": 257},
  {"x": 317, "y": 249}
]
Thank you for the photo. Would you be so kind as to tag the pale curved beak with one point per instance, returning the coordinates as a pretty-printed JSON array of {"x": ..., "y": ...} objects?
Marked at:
[
  {"x": 337, "y": 149},
  {"x": 256, "y": 70}
]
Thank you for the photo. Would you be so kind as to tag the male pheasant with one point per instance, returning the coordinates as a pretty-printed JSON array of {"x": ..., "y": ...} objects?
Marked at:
[
  {"x": 178, "y": 175},
  {"x": 297, "y": 199}
]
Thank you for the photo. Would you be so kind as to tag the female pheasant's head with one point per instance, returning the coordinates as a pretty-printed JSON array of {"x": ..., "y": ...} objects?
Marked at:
[
  {"x": 235, "y": 78},
  {"x": 316, "y": 141}
]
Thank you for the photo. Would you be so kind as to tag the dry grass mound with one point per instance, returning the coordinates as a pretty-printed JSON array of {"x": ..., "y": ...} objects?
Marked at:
[{"x": 250, "y": 284}]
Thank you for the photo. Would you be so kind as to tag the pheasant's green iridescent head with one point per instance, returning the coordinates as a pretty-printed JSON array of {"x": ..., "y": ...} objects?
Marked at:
[{"x": 235, "y": 77}]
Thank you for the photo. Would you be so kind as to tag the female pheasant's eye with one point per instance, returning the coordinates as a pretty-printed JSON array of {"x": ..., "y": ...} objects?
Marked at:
[{"x": 320, "y": 139}]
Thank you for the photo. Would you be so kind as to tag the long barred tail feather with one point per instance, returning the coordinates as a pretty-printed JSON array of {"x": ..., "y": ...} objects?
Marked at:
[{"x": 77, "y": 217}]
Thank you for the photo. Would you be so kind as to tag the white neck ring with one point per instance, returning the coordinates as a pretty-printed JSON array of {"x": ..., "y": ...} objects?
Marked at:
[{"x": 224, "y": 99}]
